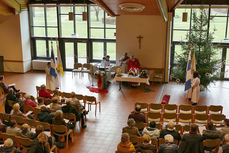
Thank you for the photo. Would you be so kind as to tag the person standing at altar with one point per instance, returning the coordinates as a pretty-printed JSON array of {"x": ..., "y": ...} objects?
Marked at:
[
  {"x": 123, "y": 62},
  {"x": 133, "y": 63},
  {"x": 195, "y": 88},
  {"x": 107, "y": 61}
]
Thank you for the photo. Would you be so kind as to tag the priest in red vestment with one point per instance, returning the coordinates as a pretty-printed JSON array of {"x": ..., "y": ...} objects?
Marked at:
[{"x": 134, "y": 63}]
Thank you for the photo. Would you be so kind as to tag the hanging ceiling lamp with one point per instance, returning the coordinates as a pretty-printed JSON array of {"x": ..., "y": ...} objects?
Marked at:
[
  {"x": 70, "y": 14},
  {"x": 84, "y": 13}
]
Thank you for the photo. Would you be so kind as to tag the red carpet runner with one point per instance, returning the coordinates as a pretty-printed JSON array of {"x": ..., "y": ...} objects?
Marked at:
[{"x": 92, "y": 89}]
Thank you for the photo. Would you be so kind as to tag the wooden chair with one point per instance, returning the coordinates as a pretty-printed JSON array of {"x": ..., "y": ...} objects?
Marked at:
[
  {"x": 81, "y": 99},
  {"x": 144, "y": 107},
  {"x": 113, "y": 70},
  {"x": 62, "y": 130},
  {"x": 217, "y": 119},
  {"x": 200, "y": 109},
  {"x": 36, "y": 111},
  {"x": 71, "y": 117},
  {"x": 170, "y": 108},
  {"x": 24, "y": 143},
  {"x": 212, "y": 143},
  {"x": 45, "y": 125},
  {"x": 32, "y": 123},
  {"x": 66, "y": 95},
  {"x": 6, "y": 136},
  {"x": 27, "y": 109},
  {"x": 77, "y": 68},
  {"x": 19, "y": 119},
  {"x": 185, "y": 118},
  {"x": 201, "y": 118},
  {"x": 87, "y": 68},
  {"x": 153, "y": 117},
  {"x": 169, "y": 116},
  {"x": 155, "y": 108},
  {"x": 185, "y": 109},
  {"x": 91, "y": 100},
  {"x": 213, "y": 109}
]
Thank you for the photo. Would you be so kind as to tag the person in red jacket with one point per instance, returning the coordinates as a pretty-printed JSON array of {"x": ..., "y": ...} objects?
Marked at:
[
  {"x": 29, "y": 102},
  {"x": 44, "y": 92}
]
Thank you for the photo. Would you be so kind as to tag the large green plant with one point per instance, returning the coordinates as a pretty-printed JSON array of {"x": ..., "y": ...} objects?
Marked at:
[{"x": 200, "y": 40}]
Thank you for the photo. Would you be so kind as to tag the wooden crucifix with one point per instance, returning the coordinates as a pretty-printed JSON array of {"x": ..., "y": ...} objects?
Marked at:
[{"x": 139, "y": 41}]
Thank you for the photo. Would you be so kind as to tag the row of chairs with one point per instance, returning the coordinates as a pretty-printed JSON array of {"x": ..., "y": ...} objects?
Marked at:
[
  {"x": 186, "y": 118},
  {"x": 83, "y": 68},
  {"x": 59, "y": 130},
  {"x": 23, "y": 144},
  {"x": 185, "y": 109},
  {"x": 84, "y": 99}
]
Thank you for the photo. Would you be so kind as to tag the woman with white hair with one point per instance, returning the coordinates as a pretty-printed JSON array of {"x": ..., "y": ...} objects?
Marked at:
[
  {"x": 168, "y": 146},
  {"x": 16, "y": 110},
  {"x": 9, "y": 147},
  {"x": 25, "y": 131},
  {"x": 40, "y": 145}
]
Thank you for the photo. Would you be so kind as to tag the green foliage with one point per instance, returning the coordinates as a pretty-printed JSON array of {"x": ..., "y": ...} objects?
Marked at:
[{"x": 201, "y": 41}]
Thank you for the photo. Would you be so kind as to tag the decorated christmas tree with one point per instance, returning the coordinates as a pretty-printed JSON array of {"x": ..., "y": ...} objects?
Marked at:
[{"x": 200, "y": 40}]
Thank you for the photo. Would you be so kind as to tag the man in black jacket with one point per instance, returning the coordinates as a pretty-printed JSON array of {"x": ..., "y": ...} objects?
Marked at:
[
  {"x": 68, "y": 108},
  {"x": 44, "y": 115},
  {"x": 191, "y": 142}
]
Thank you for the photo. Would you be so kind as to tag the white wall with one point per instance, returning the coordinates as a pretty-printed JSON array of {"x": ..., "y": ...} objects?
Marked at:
[
  {"x": 152, "y": 28},
  {"x": 25, "y": 41}
]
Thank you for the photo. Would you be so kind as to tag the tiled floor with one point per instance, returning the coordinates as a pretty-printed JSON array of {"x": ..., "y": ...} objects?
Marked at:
[{"x": 103, "y": 132}]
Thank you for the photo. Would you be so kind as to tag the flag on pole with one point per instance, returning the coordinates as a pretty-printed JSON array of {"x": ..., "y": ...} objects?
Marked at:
[
  {"x": 59, "y": 61},
  {"x": 193, "y": 64},
  {"x": 53, "y": 63},
  {"x": 188, "y": 81}
]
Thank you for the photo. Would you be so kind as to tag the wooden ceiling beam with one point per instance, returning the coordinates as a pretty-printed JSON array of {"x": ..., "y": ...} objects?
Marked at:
[
  {"x": 176, "y": 5},
  {"x": 13, "y": 4},
  {"x": 101, "y": 4}
]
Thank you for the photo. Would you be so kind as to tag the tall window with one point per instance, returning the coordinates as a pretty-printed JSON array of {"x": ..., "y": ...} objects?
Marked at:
[{"x": 51, "y": 23}]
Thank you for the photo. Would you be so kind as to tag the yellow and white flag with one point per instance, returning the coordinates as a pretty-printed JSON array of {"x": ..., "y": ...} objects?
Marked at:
[
  {"x": 193, "y": 64},
  {"x": 59, "y": 61}
]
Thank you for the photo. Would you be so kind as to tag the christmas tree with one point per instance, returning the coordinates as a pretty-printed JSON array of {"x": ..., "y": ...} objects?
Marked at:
[{"x": 200, "y": 40}]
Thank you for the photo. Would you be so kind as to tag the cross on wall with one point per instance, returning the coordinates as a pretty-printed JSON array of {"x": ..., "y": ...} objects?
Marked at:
[{"x": 139, "y": 41}]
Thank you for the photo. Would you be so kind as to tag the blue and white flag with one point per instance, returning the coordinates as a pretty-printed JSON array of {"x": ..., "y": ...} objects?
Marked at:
[
  {"x": 188, "y": 81},
  {"x": 53, "y": 63}
]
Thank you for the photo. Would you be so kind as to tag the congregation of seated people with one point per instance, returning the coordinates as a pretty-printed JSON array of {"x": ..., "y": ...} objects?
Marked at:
[
  {"x": 168, "y": 139},
  {"x": 52, "y": 114}
]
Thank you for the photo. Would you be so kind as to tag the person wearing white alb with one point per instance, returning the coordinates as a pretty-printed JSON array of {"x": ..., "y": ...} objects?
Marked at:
[{"x": 195, "y": 88}]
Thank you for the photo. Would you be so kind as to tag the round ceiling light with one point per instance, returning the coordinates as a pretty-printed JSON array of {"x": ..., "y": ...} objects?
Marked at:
[{"x": 131, "y": 7}]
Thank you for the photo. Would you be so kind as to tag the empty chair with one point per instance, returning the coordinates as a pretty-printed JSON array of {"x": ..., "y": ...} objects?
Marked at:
[
  {"x": 144, "y": 107},
  {"x": 213, "y": 109},
  {"x": 155, "y": 108},
  {"x": 170, "y": 108},
  {"x": 91, "y": 100},
  {"x": 154, "y": 117},
  {"x": 185, "y": 118},
  {"x": 87, "y": 68},
  {"x": 170, "y": 117},
  {"x": 185, "y": 109},
  {"x": 201, "y": 118},
  {"x": 77, "y": 68},
  {"x": 217, "y": 118},
  {"x": 200, "y": 109}
]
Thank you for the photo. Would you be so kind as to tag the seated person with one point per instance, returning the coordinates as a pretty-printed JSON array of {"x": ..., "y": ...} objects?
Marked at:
[
  {"x": 16, "y": 110},
  {"x": 133, "y": 63},
  {"x": 131, "y": 129},
  {"x": 54, "y": 106},
  {"x": 44, "y": 115},
  {"x": 170, "y": 130},
  {"x": 146, "y": 146},
  {"x": 5, "y": 87},
  {"x": 25, "y": 131},
  {"x": 125, "y": 146},
  {"x": 29, "y": 102},
  {"x": 12, "y": 128},
  {"x": 191, "y": 142},
  {"x": 39, "y": 129},
  {"x": 40, "y": 145},
  {"x": 58, "y": 119},
  {"x": 137, "y": 115},
  {"x": 151, "y": 131},
  {"x": 225, "y": 129},
  {"x": 68, "y": 108},
  {"x": 10, "y": 96},
  {"x": 168, "y": 146},
  {"x": 75, "y": 102},
  {"x": 44, "y": 92},
  {"x": 107, "y": 60},
  {"x": 20, "y": 100},
  {"x": 226, "y": 145},
  {"x": 123, "y": 62},
  {"x": 211, "y": 132},
  {"x": 9, "y": 147},
  {"x": 41, "y": 102}
]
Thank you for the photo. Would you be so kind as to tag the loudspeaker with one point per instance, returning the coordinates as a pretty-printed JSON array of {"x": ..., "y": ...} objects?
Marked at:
[{"x": 1, "y": 64}]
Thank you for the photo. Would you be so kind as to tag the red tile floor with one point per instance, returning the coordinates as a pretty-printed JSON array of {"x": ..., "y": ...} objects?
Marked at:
[{"x": 103, "y": 132}]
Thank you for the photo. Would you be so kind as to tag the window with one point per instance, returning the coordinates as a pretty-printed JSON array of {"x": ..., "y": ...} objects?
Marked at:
[
  {"x": 41, "y": 48},
  {"x": 97, "y": 48}
]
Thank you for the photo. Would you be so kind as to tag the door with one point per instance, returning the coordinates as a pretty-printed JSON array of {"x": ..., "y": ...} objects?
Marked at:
[
  {"x": 226, "y": 71},
  {"x": 75, "y": 52}
]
